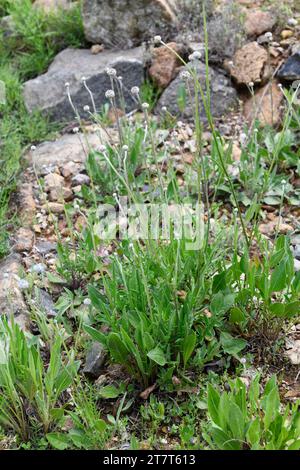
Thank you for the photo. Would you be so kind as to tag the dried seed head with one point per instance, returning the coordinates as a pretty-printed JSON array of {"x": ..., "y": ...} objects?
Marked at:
[
  {"x": 185, "y": 75},
  {"x": 157, "y": 39},
  {"x": 111, "y": 72},
  {"x": 196, "y": 55},
  {"x": 110, "y": 94},
  {"x": 269, "y": 36},
  {"x": 102, "y": 148},
  {"x": 86, "y": 108},
  {"x": 145, "y": 106},
  {"x": 23, "y": 284},
  {"x": 135, "y": 90}
]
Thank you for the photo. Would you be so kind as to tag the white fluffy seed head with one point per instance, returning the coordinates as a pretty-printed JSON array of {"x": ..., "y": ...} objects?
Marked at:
[
  {"x": 75, "y": 130},
  {"x": 164, "y": 109},
  {"x": 33, "y": 148},
  {"x": 250, "y": 84},
  {"x": 86, "y": 108},
  {"x": 87, "y": 301},
  {"x": 157, "y": 39},
  {"x": 185, "y": 75},
  {"x": 83, "y": 79},
  {"x": 269, "y": 36},
  {"x": 292, "y": 22},
  {"x": 23, "y": 284},
  {"x": 102, "y": 148},
  {"x": 67, "y": 84},
  {"x": 196, "y": 55},
  {"x": 111, "y": 72},
  {"x": 135, "y": 90},
  {"x": 125, "y": 148},
  {"x": 145, "y": 106},
  {"x": 110, "y": 94}
]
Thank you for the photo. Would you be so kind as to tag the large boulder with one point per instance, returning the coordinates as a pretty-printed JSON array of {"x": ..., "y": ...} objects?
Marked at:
[
  {"x": 47, "y": 93},
  {"x": 223, "y": 95},
  {"x": 290, "y": 70},
  {"x": 127, "y": 23}
]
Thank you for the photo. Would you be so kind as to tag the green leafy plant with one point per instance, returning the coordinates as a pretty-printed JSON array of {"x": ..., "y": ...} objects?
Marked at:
[
  {"x": 251, "y": 420},
  {"x": 30, "y": 391}
]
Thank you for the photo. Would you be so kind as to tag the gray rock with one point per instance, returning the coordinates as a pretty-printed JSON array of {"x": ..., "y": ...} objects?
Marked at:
[
  {"x": 45, "y": 303},
  {"x": 127, "y": 23},
  {"x": 47, "y": 93},
  {"x": 69, "y": 147},
  {"x": 223, "y": 95},
  {"x": 95, "y": 359},
  {"x": 290, "y": 70},
  {"x": 7, "y": 26},
  {"x": 44, "y": 247},
  {"x": 80, "y": 179},
  {"x": 11, "y": 297}
]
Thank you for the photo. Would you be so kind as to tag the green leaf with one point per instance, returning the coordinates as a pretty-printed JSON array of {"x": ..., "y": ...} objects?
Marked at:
[
  {"x": 189, "y": 344},
  {"x": 279, "y": 277},
  {"x": 96, "y": 335},
  {"x": 100, "y": 425},
  {"x": 237, "y": 315},
  {"x": 253, "y": 433},
  {"x": 54, "y": 279},
  {"x": 232, "y": 345},
  {"x": 117, "y": 348},
  {"x": 213, "y": 400},
  {"x": 236, "y": 421},
  {"x": 158, "y": 356},
  {"x": 109, "y": 391},
  {"x": 224, "y": 441},
  {"x": 58, "y": 440}
]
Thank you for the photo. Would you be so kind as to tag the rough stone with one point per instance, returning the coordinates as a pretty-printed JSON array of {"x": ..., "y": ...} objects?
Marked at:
[
  {"x": 127, "y": 23},
  {"x": 45, "y": 303},
  {"x": 45, "y": 247},
  {"x": 11, "y": 297},
  {"x": 70, "y": 169},
  {"x": 67, "y": 148},
  {"x": 27, "y": 204},
  {"x": 265, "y": 105},
  {"x": 23, "y": 240},
  {"x": 54, "y": 207},
  {"x": 290, "y": 70},
  {"x": 223, "y": 95},
  {"x": 249, "y": 64},
  {"x": 53, "y": 181},
  {"x": 47, "y": 93},
  {"x": 165, "y": 64},
  {"x": 258, "y": 22},
  {"x": 95, "y": 359},
  {"x": 80, "y": 179}
]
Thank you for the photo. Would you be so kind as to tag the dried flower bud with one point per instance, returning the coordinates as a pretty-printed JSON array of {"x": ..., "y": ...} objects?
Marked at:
[
  {"x": 185, "y": 75},
  {"x": 196, "y": 55},
  {"x": 135, "y": 90},
  {"x": 111, "y": 72},
  {"x": 110, "y": 94}
]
